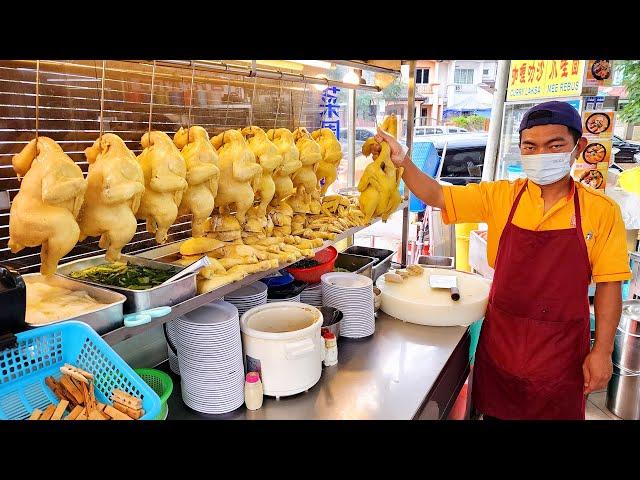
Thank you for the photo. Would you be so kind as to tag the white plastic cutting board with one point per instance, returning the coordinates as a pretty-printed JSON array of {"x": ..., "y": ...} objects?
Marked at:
[{"x": 416, "y": 302}]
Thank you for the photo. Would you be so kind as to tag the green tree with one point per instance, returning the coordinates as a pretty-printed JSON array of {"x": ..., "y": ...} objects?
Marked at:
[
  {"x": 631, "y": 80},
  {"x": 395, "y": 90},
  {"x": 470, "y": 122}
]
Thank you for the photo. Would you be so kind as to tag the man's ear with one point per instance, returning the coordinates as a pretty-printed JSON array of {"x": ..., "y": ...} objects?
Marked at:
[{"x": 582, "y": 144}]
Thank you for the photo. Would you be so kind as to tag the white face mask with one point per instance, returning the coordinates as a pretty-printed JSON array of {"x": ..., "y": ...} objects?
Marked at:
[{"x": 547, "y": 168}]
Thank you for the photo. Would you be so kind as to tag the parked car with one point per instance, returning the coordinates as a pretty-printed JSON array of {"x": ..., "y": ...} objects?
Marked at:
[
  {"x": 627, "y": 150},
  {"x": 462, "y": 164},
  {"x": 463, "y": 159},
  {"x": 362, "y": 134}
]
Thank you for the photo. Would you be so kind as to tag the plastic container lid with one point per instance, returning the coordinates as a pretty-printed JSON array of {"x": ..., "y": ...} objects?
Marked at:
[{"x": 252, "y": 377}]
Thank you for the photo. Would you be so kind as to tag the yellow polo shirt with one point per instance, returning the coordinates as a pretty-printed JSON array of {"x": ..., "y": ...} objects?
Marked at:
[{"x": 490, "y": 203}]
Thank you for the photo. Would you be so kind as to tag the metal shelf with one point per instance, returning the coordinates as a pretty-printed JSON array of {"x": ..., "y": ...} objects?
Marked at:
[{"x": 124, "y": 333}]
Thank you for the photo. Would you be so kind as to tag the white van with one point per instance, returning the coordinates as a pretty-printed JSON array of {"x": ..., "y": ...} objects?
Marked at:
[{"x": 437, "y": 130}]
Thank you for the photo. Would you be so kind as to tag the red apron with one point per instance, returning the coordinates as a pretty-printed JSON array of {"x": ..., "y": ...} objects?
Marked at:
[{"x": 536, "y": 331}]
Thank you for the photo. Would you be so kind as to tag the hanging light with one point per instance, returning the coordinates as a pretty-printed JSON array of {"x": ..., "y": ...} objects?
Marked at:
[{"x": 351, "y": 77}]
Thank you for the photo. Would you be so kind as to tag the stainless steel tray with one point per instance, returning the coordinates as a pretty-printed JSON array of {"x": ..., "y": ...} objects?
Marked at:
[
  {"x": 137, "y": 300},
  {"x": 435, "y": 261},
  {"x": 355, "y": 263},
  {"x": 103, "y": 319},
  {"x": 382, "y": 256}
]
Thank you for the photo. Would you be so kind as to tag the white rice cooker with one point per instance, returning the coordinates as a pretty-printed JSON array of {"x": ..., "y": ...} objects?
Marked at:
[{"x": 282, "y": 341}]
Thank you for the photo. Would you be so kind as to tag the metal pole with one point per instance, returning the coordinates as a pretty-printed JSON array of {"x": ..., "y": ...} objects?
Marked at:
[
  {"x": 495, "y": 126},
  {"x": 351, "y": 138},
  {"x": 351, "y": 143},
  {"x": 411, "y": 101}
]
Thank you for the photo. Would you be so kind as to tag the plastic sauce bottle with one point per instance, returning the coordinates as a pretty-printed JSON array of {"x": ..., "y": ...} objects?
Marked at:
[
  {"x": 253, "y": 391},
  {"x": 331, "y": 349}
]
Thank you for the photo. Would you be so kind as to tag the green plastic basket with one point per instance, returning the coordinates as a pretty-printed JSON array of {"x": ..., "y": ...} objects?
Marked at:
[{"x": 160, "y": 383}]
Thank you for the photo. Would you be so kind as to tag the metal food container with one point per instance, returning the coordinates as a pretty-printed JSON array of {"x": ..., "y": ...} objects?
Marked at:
[
  {"x": 355, "y": 263},
  {"x": 634, "y": 288},
  {"x": 381, "y": 255},
  {"x": 137, "y": 300},
  {"x": 623, "y": 391},
  {"x": 103, "y": 319},
  {"x": 436, "y": 261}
]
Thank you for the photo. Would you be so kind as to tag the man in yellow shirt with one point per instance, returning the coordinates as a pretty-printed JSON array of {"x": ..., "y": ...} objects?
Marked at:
[{"x": 548, "y": 238}]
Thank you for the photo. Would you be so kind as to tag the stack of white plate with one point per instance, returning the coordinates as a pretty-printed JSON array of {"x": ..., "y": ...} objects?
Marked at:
[
  {"x": 210, "y": 358},
  {"x": 352, "y": 294},
  {"x": 246, "y": 298},
  {"x": 173, "y": 359},
  {"x": 312, "y": 295},
  {"x": 290, "y": 299}
]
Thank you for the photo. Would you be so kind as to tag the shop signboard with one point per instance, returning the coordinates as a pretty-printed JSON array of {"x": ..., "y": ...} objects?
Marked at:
[{"x": 533, "y": 79}]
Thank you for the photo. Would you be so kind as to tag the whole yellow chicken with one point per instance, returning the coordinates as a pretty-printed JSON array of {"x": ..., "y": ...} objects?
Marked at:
[
  {"x": 282, "y": 138},
  {"x": 372, "y": 186},
  {"x": 269, "y": 158},
  {"x": 115, "y": 187},
  {"x": 331, "y": 151},
  {"x": 379, "y": 182},
  {"x": 309, "y": 156},
  {"x": 203, "y": 175},
  {"x": 238, "y": 168},
  {"x": 44, "y": 211},
  {"x": 164, "y": 179}
]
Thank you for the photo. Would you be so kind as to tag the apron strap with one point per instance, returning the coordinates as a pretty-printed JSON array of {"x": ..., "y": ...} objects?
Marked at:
[
  {"x": 579, "y": 231},
  {"x": 516, "y": 202}
]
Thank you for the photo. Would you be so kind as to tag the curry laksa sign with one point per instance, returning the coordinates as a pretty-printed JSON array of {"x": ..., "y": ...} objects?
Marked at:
[{"x": 530, "y": 79}]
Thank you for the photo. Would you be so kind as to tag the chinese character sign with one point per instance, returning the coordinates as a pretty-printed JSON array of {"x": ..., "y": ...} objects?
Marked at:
[
  {"x": 545, "y": 78},
  {"x": 330, "y": 112}
]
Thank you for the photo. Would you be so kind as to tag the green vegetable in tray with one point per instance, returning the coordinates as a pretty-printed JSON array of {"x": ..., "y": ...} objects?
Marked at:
[
  {"x": 338, "y": 269},
  {"x": 134, "y": 277}
]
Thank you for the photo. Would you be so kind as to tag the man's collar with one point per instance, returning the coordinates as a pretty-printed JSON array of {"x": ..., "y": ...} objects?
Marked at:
[{"x": 537, "y": 191}]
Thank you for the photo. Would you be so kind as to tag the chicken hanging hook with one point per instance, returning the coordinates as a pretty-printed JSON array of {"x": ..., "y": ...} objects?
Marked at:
[
  {"x": 104, "y": 62},
  {"x": 275, "y": 123},
  {"x": 193, "y": 71},
  {"x": 153, "y": 79},
  {"x": 37, "y": 102},
  {"x": 304, "y": 94},
  {"x": 253, "y": 96},
  {"x": 226, "y": 115}
]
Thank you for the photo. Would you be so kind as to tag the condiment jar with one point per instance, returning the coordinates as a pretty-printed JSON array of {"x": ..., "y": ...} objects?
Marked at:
[
  {"x": 253, "y": 391},
  {"x": 331, "y": 349}
]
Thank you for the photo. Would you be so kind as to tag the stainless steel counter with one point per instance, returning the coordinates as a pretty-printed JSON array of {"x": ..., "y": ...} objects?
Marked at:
[{"x": 403, "y": 371}]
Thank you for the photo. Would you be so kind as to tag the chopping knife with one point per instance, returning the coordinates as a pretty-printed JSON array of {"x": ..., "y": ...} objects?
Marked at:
[{"x": 446, "y": 281}]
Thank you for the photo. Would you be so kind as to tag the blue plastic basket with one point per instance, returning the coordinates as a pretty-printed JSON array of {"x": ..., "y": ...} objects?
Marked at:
[{"x": 42, "y": 351}]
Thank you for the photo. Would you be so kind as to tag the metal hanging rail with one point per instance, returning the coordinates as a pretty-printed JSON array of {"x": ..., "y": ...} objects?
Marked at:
[
  {"x": 221, "y": 67},
  {"x": 365, "y": 66}
]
